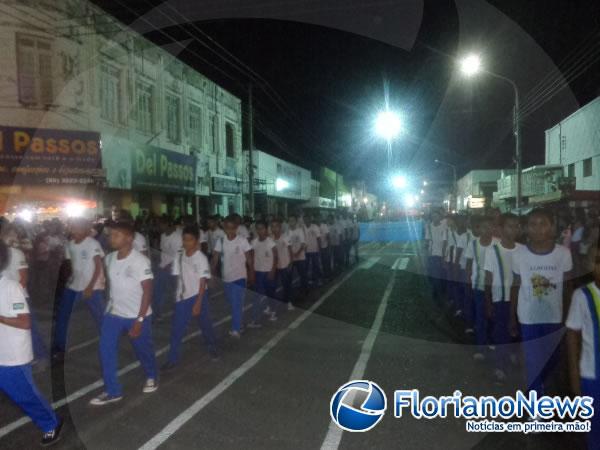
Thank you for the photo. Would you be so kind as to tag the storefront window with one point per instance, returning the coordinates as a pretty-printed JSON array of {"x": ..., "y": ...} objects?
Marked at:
[{"x": 34, "y": 71}]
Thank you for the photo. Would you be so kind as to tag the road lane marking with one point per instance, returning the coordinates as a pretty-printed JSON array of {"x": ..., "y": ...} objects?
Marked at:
[
  {"x": 403, "y": 263},
  {"x": 99, "y": 383},
  {"x": 172, "y": 427},
  {"x": 334, "y": 433},
  {"x": 395, "y": 264},
  {"x": 370, "y": 262}
]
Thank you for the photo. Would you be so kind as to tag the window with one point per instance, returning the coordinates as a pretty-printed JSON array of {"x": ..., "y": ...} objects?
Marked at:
[
  {"x": 110, "y": 93},
  {"x": 173, "y": 119},
  {"x": 571, "y": 170},
  {"x": 229, "y": 141},
  {"x": 34, "y": 67},
  {"x": 195, "y": 126},
  {"x": 145, "y": 108},
  {"x": 587, "y": 167}
]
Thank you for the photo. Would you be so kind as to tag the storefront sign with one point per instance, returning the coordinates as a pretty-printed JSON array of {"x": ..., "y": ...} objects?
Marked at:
[
  {"x": 154, "y": 168},
  {"x": 225, "y": 185},
  {"x": 48, "y": 156}
]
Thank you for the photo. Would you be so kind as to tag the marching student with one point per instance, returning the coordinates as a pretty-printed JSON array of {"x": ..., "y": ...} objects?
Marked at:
[
  {"x": 129, "y": 277},
  {"x": 86, "y": 283},
  {"x": 164, "y": 282},
  {"x": 265, "y": 267},
  {"x": 476, "y": 255},
  {"x": 436, "y": 237},
  {"x": 213, "y": 234},
  {"x": 583, "y": 346},
  {"x": 498, "y": 282},
  {"x": 242, "y": 229},
  {"x": 284, "y": 262},
  {"x": 297, "y": 238},
  {"x": 313, "y": 244},
  {"x": 325, "y": 248},
  {"x": 539, "y": 294},
  {"x": 354, "y": 237},
  {"x": 463, "y": 239},
  {"x": 234, "y": 253},
  {"x": 334, "y": 242},
  {"x": 16, "y": 355},
  {"x": 449, "y": 261},
  {"x": 192, "y": 269}
]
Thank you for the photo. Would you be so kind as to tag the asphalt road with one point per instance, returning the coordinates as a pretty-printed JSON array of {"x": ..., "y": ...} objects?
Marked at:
[{"x": 272, "y": 389}]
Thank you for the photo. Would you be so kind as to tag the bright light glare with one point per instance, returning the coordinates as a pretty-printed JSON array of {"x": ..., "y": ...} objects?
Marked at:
[
  {"x": 26, "y": 215},
  {"x": 470, "y": 65},
  {"x": 399, "y": 181},
  {"x": 409, "y": 200},
  {"x": 75, "y": 209},
  {"x": 422, "y": 191},
  {"x": 281, "y": 184},
  {"x": 365, "y": 200},
  {"x": 425, "y": 183},
  {"x": 388, "y": 125}
]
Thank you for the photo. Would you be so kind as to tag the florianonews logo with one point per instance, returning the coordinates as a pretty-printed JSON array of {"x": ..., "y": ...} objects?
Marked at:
[{"x": 358, "y": 405}]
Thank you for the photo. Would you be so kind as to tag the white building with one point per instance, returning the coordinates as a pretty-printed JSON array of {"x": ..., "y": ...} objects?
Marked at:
[
  {"x": 170, "y": 138},
  {"x": 475, "y": 189},
  {"x": 279, "y": 186},
  {"x": 574, "y": 143}
]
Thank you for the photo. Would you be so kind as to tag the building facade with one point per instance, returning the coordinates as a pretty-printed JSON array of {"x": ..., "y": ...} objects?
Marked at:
[
  {"x": 475, "y": 190},
  {"x": 73, "y": 79}
]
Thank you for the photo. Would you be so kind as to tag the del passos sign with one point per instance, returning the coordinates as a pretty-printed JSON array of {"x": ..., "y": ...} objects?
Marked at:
[
  {"x": 49, "y": 156},
  {"x": 155, "y": 168}
]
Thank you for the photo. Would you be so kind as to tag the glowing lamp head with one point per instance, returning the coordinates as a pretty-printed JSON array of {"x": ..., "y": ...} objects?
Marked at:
[
  {"x": 388, "y": 125},
  {"x": 470, "y": 65}
]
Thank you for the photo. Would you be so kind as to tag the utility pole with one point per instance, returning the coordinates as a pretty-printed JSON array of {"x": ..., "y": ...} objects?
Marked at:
[{"x": 250, "y": 151}]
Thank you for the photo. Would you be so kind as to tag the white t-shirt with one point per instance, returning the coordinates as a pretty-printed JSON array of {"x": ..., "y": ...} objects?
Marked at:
[
  {"x": 500, "y": 285},
  {"x": 212, "y": 237},
  {"x": 580, "y": 319},
  {"x": 452, "y": 238},
  {"x": 263, "y": 254},
  {"x": 15, "y": 344},
  {"x": 313, "y": 232},
  {"x": 233, "y": 257},
  {"x": 283, "y": 254},
  {"x": 170, "y": 244},
  {"x": 297, "y": 237},
  {"x": 190, "y": 270},
  {"x": 334, "y": 234},
  {"x": 542, "y": 276},
  {"x": 478, "y": 253},
  {"x": 324, "y": 229},
  {"x": 83, "y": 264},
  {"x": 139, "y": 242},
  {"x": 16, "y": 263},
  {"x": 436, "y": 234},
  {"x": 125, "y": 278},
  {"x": 462, "y": 242}
]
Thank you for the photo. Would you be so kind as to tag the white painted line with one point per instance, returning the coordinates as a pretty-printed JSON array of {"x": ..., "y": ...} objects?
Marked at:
[
  {"x": 370, "y": 262},
  {"x": 179, "y": 421},
  {"x": 403, "y": 264},
  {"x": 99, "y": 383},
  {"x": 395, "y": 264},
  {"x": 334, "y": 433}
]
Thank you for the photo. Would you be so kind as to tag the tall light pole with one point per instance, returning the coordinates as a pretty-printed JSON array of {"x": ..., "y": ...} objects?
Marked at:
[
  {"x": 388, "y": 126},
  {"x": 454, "y": 186},
  {"x": 470, "y": 66}
]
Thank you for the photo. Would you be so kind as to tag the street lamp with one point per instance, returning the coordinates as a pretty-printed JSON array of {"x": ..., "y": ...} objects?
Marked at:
[
  {"x": 388, "y": 126},
  {"x": 399, "y": 181},
  {"x": 471, "y": 65},
  {"x": 453, "y": 167}
]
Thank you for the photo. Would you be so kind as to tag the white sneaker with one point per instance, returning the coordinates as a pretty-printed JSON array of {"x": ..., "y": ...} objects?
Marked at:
[
  {"x": 235, "y": 334},
  {"x": 458, "y": 313},
  {"x": 267, "y": 311},
  {"x": 291, "y": 307},
  {"x": 105, "y": 399},
  {"x": 273, "y": 317},
  {"x": 469, "y": 331},
  {"x": 478, "y": 357},
  {"x": 254, "y": 325},
  {"x": 492, "y": 347},
  {"x": 150, "y": 386}
]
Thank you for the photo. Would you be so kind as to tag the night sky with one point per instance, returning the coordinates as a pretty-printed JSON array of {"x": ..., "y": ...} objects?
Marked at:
[{"x": 323, "y": 76}]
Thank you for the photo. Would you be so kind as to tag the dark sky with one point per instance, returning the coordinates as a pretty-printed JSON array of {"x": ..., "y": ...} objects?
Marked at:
[{"x": 324, "y": 85}]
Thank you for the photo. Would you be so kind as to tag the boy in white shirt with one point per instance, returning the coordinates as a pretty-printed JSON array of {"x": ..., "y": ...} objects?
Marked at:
[
  {"x": 129, "y": 277},
  {"x": 234, "y": 253},
  {"x": 192, "y": 270},
  {"x": 476, "y": 256},
  {"x": 541, "y": 288},
  {"x": 214, "y": 234},
  {"x": 463, "y": 239},
  {"x": 583, "y": 346},
  {"x": 86, "y": 283},
  {"x": 297, "y": 238},
  {"x": 265, "y": 267},
  {"x": 325, "y": 250},
  {"x": 498, "y": 282},
  {"x": 313, "y": 245},
  {"x": 284, "y": 262},
  {"x": 164, "y": 281},
  {"x": 16, "y": 355},
  {"x": 436, "y": 237}
]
